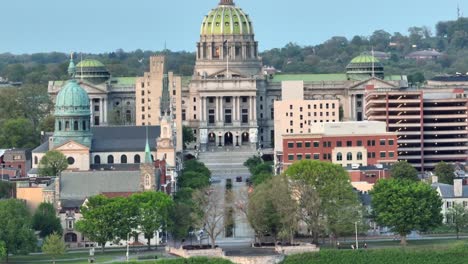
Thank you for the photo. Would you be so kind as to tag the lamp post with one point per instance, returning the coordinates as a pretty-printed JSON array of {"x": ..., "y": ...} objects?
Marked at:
[
  {"x": 127, "y": 253},
  {"x": 355, "y": 227}
]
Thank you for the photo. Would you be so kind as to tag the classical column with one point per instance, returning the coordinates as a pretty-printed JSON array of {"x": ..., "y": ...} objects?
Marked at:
[
  {"x": 101, "y": 111},
  {"x": 244, "y": 51},
  {"x": 250, "y": 108},
  {"x": 254, "y": 108},
  {"x": 221, "y": 108},
  {"x": 105, "y": 110},
  {"x": 236, "y": 108}
]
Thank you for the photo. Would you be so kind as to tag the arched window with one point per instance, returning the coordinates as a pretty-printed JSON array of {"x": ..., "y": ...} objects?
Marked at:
[
  {"x": 75, "y": 126},
  {"x": 349, "y": 156},
  {"x": 110, "y": 159},
  {"x": 35, "y": 160},
  {"x": 71, "y": 237},
  {"x": 84, "y": 125},
  {"x": 339, "y": 156},
  {"x": 67, "y": 125},
  {"x": 359, "y": 156},
  {"x": 97, "y": 159},
  {"x": 123, "y": 159},
  {"x": 128, "y": 116},
  {"x": 137, "y": 159},
  {"x": 60, "y": 125}
]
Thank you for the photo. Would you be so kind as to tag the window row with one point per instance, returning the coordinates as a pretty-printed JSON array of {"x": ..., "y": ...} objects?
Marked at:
[
  {"x": 123, "y": 159},
  {"x": 316, "y": 106},
  {"x": 349, "y": 143}
]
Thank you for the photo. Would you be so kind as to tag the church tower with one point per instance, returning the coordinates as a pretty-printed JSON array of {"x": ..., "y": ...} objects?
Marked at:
[{"x": 148, "y": 173}]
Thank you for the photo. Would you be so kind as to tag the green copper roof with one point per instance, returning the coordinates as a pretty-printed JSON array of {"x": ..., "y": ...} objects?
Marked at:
[
  {"x": 72, "y": 100},
  {"x": 365, "y": 59},
  {"x": 309, "y": 77},
  {"x": 226, "y": 19},
  {"x": 90, "y": 64},
  {"x": 148, "y": 158}
]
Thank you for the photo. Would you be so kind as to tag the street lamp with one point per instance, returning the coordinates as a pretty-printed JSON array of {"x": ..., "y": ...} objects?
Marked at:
[
  {"x": 127, "y": 253},
  {"x": 355, "y": 227}
]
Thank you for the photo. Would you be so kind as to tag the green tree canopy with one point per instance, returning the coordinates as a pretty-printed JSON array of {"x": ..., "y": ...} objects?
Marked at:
[
  {"x": 445, "y": 172},
  {"x": 329, "y": 195},
  {"x": 16, "y": 231},
  {"x": 53, "y": 163},
  {"x": 193, "y": 180},
  {"x": 6, "y": 189},
  {"x": 18, "y": 133},
  {"x": 404, "y": 171},
  {"x": 457, "y": 217},
  {"x": 406, "y": 205},
  {"x": 153, "y": 212},
  {"x": 2, "y": 250},
  {"x": 54, "y": 246},
  {"x": 45, "y": 220},
  {"x": 187, "y": 135}
]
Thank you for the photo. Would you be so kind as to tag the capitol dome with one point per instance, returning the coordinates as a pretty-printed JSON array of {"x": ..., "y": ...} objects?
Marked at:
[
  {"x": 93, "y": 71},
  {"x": 365, "y": 66},
  {"x": 227, "y": 19}
]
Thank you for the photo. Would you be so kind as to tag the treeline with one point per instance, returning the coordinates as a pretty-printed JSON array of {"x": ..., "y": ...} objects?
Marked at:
[{"x": 332, "y": 56}]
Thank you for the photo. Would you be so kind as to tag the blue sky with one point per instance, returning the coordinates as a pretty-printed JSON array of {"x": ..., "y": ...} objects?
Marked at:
[{"x": 106, "y": 25}]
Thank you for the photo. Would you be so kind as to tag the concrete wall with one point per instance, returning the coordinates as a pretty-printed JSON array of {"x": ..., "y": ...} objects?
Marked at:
[{"x": 33, "y": 197}]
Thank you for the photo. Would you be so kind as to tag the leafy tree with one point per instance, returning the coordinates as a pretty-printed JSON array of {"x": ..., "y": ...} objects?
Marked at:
[
  {"x": 54, "y": 246},
  {"x": 153, "y": 212},
  {"x": 53, "y": 163},
  {"x": 96, "y": 220},
  {"x": 327, "y": 194},
  {"x": 6, "y": 189},
  {"x": 196, "y": 166},
  {"x": 253, "y": 162},
  {"x": 34, "y": 102},
  {"x": 2, "y": 250},
  {"x": 260, "y": 178},
  {"x": 18, "y": 133},
  {"x": 457, "y": 217},
  {"x": 180, "y": 223},
  {"x": 405, "y": 205},
  {"x": 209, "y": 212},
  {"x": 187, "y": 135},
  {"x": 194, "y": 180},
  {"x": 16, "y": 231},
  {"x": 46, "y": 221},
  {"x": 47, "y": 124},
  {"x": 445, "y": 172},
  {"x": 404, "y": 171}
]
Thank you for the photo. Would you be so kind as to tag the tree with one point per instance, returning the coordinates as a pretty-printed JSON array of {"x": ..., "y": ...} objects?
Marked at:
[
  {"x": 47, "y": 124},
  {"x": 196, "y": 166},
  {"x": 54, "y": 246},
  {"x": 253, "y": 162},
  {"x": 53, "y": 163},
  {"x": 16, "y": 231},
  {"x": 95, "y": 223},
  {"x": 6, "y": 189},
  {"x": 193, "y": 180},
  {"x": 260, "y": 178},
  {"x": 34, "y": 103},
  {"x": 457, "y": 217},
  {"x": 2, "y": 250},
  {"x": 153, "y": 212},
  {"x": 445, "y": 172},
  {"x": 403, "y": 170},
  {"x": 405, "y": 205},
  {"x": 18, "y": 133},
  {"x": 187, "y": 135},
  {"x": 327, "y": 194},
  {"x": 179, "y": 222},
  {"x": 209, "y": 212},
  {"x": 46, "y": 221}
]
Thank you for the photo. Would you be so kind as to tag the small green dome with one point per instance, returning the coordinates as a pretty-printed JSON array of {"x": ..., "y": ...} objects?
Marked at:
[
  {"x": 365, "y": 59},
  {"x": 72, "y": 100},
  {"x": 90, "y": 64},
  {"x": 363, "y": 67},
  {"x": 226, "y": 19}
]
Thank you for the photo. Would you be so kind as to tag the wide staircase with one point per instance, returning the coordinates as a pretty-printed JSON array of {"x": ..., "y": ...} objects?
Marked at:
[{"x": 227, "y": 162}]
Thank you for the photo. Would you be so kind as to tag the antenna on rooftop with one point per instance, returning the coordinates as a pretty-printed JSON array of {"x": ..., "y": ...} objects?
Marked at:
[{"x": 458, "y": 11}]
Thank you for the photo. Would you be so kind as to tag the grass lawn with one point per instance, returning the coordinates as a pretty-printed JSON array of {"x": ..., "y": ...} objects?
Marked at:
[
  {"x": 70, "y": 258},
  {"x": 422, "y": 244}
]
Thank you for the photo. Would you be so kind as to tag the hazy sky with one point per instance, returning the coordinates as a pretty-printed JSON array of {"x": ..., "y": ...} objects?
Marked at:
[{"x": 105, "y": 25}]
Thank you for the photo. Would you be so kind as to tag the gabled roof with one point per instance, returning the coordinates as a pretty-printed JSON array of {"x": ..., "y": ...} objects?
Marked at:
[
  {"x": 43, "y": 148},
  {"x": 123, "y": 138},
  {"x": 81, "y": 185},
  {"x": 446, "y": 190}
]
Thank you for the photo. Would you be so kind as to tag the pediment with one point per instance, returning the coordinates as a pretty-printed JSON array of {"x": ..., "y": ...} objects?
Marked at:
[
  {"x": 225, "y": 72},
  {"x": 376, "y": 82},
  {"x": 93, "y": 88},
  {"x": 71, "y": 146}
]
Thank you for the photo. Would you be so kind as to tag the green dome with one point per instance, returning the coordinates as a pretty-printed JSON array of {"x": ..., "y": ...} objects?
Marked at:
[
  {"x": 72, "y": 100},
  {"x": 226, "y": 19},
  {"x": 365, "y": 59},
  {"x": 90, "y": 64}
]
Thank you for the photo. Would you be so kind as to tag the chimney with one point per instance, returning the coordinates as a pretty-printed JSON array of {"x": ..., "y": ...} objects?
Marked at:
[
  {"x": 458, "y": 187},
  {"x": 435, "y": 179}
]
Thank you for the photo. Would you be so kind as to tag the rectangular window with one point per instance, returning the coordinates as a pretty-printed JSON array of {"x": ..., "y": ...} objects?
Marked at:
[
  {"x": 316, "y": 156},
  {"x": 308, "y": 156},
  {"x": 245, "y": 116},
  {"x": 382, "y": 142},
  {"x": 299, "y": 156},
  {"x": 227, "y": 116},
  {"x": 349, "y": 143},
  {"x": 338, "y": 143},
  {"x": 324, "y": 156},
  {"x": 183, "y": 115},
  {"x": 272, "y": 113},
  {"x": 299, "y": 144},
  {"x": 359, "y": 143},
  {"x": 96, "y": 108},
  {"x": 290, "y": 144},
  {"x": 307, "y": 144},
  {"x": 228, "y": 99},
  {"x": 290, "y": 157},
  {"x": 316, "y": 144},
  {"x": 194, "y": 100},
  {"x": 195, "y": 117},
  {"x": 382, "y": 154},
  {"x": 211, "y": 116},
  {"x": 390, "y": 142},
  {"x": 391, "y": 154}
]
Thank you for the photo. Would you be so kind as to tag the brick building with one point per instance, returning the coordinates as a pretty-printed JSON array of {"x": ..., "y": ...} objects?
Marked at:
[{"x": 350, "y": 144}]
